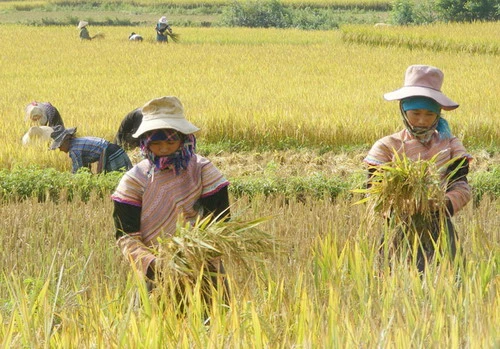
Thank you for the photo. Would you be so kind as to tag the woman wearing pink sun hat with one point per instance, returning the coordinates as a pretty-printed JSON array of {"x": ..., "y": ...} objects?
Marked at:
[{"x": 426, "y": 134}]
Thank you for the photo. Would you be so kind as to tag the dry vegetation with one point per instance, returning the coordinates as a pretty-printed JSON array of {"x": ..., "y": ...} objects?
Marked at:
[
  {"x": 288, "y": 88},
  {"x": 64, "y": 283},
  {"x": 325, "y": 291},
  {"x": 456, "y": 37}
]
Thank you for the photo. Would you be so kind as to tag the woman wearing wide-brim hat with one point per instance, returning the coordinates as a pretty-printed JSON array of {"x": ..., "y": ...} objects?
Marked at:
[
  {"x": 425, "y": 134},
  {"x": 172, "y": 181}
]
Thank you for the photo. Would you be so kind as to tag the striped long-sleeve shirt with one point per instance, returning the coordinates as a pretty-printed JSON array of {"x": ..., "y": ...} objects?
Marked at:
[
  {"x": 458, "y": 192},
  {"x": 161, "y": 199}
]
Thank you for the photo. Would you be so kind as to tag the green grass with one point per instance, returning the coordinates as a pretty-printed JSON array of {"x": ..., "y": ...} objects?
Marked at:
[
  {"x": 49, "y": 184},
  {"x": 188, "y": 15}
]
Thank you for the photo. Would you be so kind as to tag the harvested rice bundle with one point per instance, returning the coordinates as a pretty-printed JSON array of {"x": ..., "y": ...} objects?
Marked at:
[
  {"x": 99, "y": 36},
  {"x": 188, "y": 254},
  {"x": 411, "y": 196},
  {"x": 174, "y": 36},
  {"x": 406, "y": 188}
]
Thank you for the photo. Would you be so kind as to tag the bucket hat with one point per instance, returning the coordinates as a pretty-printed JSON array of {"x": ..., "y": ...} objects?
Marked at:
[
  {"x": 59, "y": 135},
  {"x": 164, "y": 112},
  {"x": 423, "y": 80}
]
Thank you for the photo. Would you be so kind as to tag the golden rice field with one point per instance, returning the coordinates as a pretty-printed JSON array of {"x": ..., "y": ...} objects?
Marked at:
[
  {"x": 64, "y": 283},
  {"x": 263, "y": 87},
  {"x": 458, "y": 37}
]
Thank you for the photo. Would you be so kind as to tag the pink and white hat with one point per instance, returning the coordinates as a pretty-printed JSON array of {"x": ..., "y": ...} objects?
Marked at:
[{"x": 423, "y": 80}]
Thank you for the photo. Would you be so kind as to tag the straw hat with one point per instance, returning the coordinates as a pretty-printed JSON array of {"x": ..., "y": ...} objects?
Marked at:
[
  {"x": 59, "y": 135},
  {"x": 163, "y": 19},
  {"x": 82, "y": 24},
  {"x": 423, "y": 80},
  {"x": 164, "y": 112}
]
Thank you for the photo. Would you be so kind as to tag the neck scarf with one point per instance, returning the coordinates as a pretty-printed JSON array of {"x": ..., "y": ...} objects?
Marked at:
[{"x": 179, "y": 160}]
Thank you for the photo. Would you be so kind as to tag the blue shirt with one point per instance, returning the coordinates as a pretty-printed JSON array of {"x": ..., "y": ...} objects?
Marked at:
[{"x": 84, "y": 151}]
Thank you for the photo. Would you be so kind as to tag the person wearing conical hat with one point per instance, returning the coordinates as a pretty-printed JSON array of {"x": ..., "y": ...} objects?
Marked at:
[
  {"x": 84, "y": 151},
  {"x": 84, "y": 32},
  {"x": 172, "y": 181},
  {"x": 426, "y": 133}
]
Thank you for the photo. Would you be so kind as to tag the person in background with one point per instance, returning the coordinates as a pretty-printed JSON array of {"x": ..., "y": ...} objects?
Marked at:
[
  {"x": 84, "y": 32},
  {"x": 43, "y": 114},
  {"x": 162, "y": 27},
  {"x": 84, "y": 151},
  {"x": 128, "y": 127},
  {"x": 135, "y": 37},
  {"x": 172, "y": 181},
  {"x": 425, "y": 134}
]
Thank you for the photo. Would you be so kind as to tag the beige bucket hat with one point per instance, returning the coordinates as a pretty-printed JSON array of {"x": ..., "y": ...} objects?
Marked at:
[
  {"x": 423, "y": 80},
  {"x": 164, "y": 112},
  {"x": 82, "y": 24}
]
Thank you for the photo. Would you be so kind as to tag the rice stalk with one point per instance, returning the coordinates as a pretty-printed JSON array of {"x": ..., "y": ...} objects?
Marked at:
[
  {"x": 411, "y": 196},
  {"x": 98, "y": 36},
  {"x": 406, "y": 187},
  {"x": 195, "y": 249},
  {"x": 174, "y": 36}
]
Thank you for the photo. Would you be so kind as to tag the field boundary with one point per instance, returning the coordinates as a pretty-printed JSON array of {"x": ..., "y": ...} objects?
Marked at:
[{"x": 392, "y": 36}]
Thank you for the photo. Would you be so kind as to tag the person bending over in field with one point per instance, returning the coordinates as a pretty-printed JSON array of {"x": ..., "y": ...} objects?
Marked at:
[
  {"x": 135, "y": 37},
  {"x": 43, "y": 114},
  {"x": 171, "y": 182},
  {"x": 425, "y": 134},
  {"x": 84, "y": 151},
  {"x": 128, "y": 127}
]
